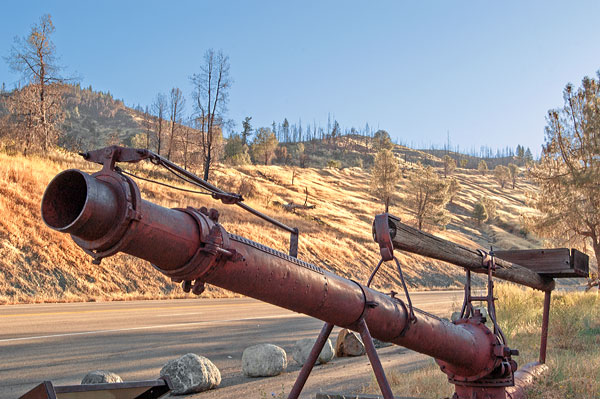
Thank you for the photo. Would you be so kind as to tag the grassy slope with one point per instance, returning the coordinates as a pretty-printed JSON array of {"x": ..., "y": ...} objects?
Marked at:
[{"x": 37, "y": 264}]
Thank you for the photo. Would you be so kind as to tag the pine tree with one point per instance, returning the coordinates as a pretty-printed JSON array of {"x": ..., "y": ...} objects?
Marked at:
[
  {"x": 246, "y": 130},
  {"x": 482, "y": 167},
  {"x": 384, "y": 176},
  {"x": 428, "y": 196},
  {"x": 449, "y": 165},
  {"x": 502, "y": 175},
  {"x": 514, "y": 173},
  {"x": 264, "y": 145},
  {"x": 569, "y": 170}
]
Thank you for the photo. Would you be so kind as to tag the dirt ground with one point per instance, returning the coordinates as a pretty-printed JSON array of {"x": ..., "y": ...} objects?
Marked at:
[{"x": 340, "y": 375}]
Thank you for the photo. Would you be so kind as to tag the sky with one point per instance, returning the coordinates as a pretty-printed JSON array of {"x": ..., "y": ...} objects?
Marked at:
[{"x": 478, "y": 73}]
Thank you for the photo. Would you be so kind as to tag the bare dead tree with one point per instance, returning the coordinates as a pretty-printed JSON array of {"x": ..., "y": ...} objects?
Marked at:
[
  {"x": 187, "y": 145},
  {"x": 159, "y": 109},
  {"x": 176, "y": 106},
  {"x": 147, "y": 125},
  {"x": 211, "y": 94},
  {"x": 34, "y": 56}
]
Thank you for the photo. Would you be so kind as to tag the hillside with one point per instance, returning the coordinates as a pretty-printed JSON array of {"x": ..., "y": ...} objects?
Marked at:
[
  {"x": 93, "y": 117},
  {"x": 37, "y": 264}
]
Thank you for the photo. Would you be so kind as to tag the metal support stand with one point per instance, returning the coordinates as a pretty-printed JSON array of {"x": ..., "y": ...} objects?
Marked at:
[
  {"x": 545, "y": 321},
  {"x": 310, "y": 362},
  {"x": 318, "y": 346},
  {"x": 374, "y": 359}
]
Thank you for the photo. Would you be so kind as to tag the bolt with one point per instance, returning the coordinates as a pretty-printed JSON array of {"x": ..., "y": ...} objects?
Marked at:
[{"x": 213, "y": 215}]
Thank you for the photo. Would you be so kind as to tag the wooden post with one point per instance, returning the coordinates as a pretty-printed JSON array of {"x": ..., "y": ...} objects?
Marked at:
[{"x": 409, "y": 239}]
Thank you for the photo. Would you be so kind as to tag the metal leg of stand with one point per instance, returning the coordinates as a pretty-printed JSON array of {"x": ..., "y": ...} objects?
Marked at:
[
  {"x": 545, "y": 321},
  {"x": 374, "y": 359},
  {"x": 310, "y": 362}
]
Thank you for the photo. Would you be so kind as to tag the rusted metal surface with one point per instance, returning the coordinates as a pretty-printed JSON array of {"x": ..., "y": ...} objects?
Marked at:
[
  {"x": 105, "y": 214},
  {"x": 409, "y": 239},
  {"x": 545, "y": 323},
  {"x": 110, "y": 155},
  {"x": 382, "y": 381},
  {"x": 310, "y": 362},
  {"x": 152, "y": 389},
  {"x": 554, "y": 262},
  {"x": 187, "y": 245}
]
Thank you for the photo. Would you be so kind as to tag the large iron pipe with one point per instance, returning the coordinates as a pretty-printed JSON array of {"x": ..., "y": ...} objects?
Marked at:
[
  {"x": 186, "y": 245},
  {"x": 93, "y": 211}
]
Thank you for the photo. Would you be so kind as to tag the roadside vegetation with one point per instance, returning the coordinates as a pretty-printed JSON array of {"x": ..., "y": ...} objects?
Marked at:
[{"x": 573, "y": 354}]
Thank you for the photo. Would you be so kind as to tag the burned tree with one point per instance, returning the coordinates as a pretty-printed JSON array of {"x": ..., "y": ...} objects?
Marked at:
[
  {"x": 159, "y": 109},
  {"x": 176, "y": 106},
  {"x": 36, "y": 108},
  {"x": 211, "y": 93}
]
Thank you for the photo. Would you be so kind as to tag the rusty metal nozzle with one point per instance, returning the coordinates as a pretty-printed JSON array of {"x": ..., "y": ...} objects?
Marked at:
[{"x": 78, "y": 204}]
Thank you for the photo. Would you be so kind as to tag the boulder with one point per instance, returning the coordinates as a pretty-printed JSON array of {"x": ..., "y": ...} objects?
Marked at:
[
  {"x": 191, "y": 373},
  {"x": 303, "y": 347},
  {"x": 100, "y": 377},
  {"x": 455, "y": 316},
  {"x": 349, "y": 343},
  {"x": 263, "y": 360}
]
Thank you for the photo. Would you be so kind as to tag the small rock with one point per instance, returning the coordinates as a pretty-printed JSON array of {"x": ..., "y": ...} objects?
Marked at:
[
  {"x": 263, "y": 360},
  {"x": 100, "y": 377},
  {"x": 304, "y": 346},
  {"x": 455, "y": 316},
  {"x": 381, "y": 344},
  {"x": 349, "y": 343},
  {"x": 191, "y": 373}
]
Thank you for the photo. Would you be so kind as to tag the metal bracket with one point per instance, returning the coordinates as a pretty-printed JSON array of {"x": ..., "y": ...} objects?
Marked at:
[
  {"x": 110, "y": 155},
  {"x": 382, "y": 233}
]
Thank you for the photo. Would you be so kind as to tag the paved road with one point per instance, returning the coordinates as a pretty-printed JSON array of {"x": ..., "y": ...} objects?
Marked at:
[{"x": 61, "y": 342}]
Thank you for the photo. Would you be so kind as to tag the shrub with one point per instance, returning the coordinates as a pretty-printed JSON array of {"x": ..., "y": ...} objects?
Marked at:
[{"x": 334, "y": 164}]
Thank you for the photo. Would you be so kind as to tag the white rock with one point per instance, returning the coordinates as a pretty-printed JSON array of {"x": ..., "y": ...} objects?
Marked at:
[
  {"x": 303, "y": 347},
  {"x": 100, "y": 377},
  {"x": 191, "y": 373},
  {"x": 349, "y": 344},
  {"x": 263, "y": 360}
]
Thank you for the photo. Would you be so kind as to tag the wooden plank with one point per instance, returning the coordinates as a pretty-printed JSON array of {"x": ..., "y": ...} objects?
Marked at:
[
  {"x": 541, "y": 260},
  {"x": 555, "y": 262},
  {"x": 409, "y": 239},
  {"x": 580, "y": 263}
]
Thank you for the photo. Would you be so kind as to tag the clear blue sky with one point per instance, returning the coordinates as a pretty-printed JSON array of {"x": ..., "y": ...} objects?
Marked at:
[{"x": 485, "y": 71}]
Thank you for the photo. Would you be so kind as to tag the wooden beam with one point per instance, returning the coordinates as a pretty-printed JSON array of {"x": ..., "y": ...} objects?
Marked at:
[
  {"x": 558, "y": 262},
  {"x": 409, "y": 239}
]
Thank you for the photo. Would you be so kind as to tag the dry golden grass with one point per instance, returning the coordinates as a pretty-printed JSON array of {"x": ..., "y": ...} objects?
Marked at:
[
  {"x": 573, "y": 353},
  {"x": 40, "y": 265}
]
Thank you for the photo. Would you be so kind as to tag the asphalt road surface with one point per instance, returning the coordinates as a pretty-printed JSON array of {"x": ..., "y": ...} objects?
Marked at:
[{"x": 62, "y": 342}]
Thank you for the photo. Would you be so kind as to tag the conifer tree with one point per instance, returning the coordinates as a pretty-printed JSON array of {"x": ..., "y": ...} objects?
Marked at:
[
  {"x": 569, "y": 170},
  {"x": 428, "y": 196},
  {"x": 384, "y": 176}
]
